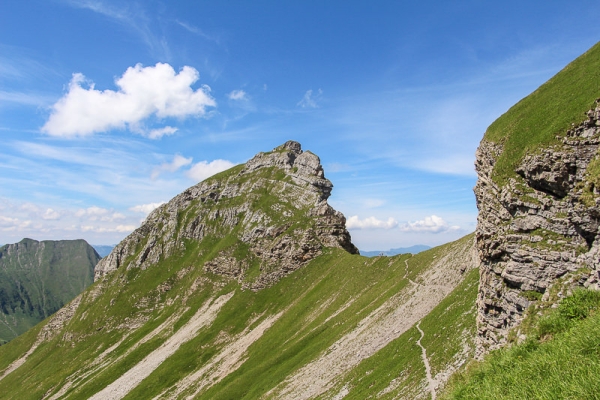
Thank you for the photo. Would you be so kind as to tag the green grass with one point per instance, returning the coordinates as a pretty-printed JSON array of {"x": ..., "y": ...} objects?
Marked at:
[
  {"x": 549, "y": 111},
  {"x": 38, "y": 278},
  {"x": 310, "y": 296},
  {"x": 397, "y": 369},
  {"x": 560, "y": 360}
]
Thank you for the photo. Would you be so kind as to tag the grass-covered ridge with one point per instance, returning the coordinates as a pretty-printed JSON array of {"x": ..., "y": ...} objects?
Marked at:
[
  {"x": 549, "y": 111},
  {"x": 559, "y": 360},
  {"x": 315, "y": 306}
]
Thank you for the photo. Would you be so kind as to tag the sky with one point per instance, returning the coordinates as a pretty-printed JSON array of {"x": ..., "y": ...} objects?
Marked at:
[{"x": 110, "y": 108}]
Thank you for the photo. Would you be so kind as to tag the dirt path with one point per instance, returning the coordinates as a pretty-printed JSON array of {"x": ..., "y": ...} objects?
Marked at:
[
  {"x": 375, "y": 331},
  {"x": 430, "y": 381},
  {"x": 130, "y": 379}
]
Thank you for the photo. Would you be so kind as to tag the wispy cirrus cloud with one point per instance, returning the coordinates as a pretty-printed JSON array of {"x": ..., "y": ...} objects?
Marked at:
[
  {"x": 132, "y": 17},
  {"x": 143, "y": 91},
  {"x": 309, "y": 100},
  {"x": 177, "y": 162}
]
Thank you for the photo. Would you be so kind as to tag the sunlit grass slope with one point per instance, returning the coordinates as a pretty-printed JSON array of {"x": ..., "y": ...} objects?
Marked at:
[
  {"x": 560, "y": 360},
  {"x": 316, "y": 305},
  {"x": 549, "y": 111}
]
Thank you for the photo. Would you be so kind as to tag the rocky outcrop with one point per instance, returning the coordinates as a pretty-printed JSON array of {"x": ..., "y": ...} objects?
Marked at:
[
  {"x": 275, "y": 205},
  {"x": 540, "y": 226}
]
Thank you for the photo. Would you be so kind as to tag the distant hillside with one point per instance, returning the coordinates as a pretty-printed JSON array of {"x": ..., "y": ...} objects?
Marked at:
[
  {"x": 38, "y": 278},
  {"x": 394, "y": 252},
  {"x": 102, "y": 249}
]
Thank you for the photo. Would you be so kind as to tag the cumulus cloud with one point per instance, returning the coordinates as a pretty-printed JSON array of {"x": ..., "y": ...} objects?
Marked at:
[
  {"x": 203, "y": 169},
  {"x": 10, "y": 224},
  {"x": 238, "y": 95},
  {"x": 99, "y": 214},
  {"x": 432, "y": 224},
  {"x": 158, "y": 133},
  {"x": 370, "y": 223},
  {"x": 178, "y": 162},
  {"x": 50, "y": 214},
  {"x": 99, "y": 229},
  {"x": 310, "y": 101},
  {"x": 143, "y": 92},
  {"x": 146, "y": 208}
]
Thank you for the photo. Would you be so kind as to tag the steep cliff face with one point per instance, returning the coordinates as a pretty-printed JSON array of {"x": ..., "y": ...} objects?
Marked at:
[
  {"x": 38, "y": 278},
  {"x": 267, "y": 217},
  {"x": 540, "y": 226}
]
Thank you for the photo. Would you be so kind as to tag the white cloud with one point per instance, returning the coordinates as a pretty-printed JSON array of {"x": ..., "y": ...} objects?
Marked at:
[
  {"x": 10, "y": 224},
  {"x": 373, "y": 203},
  {"x": 203, "y": 169},
  {"x": 146, "y": 208},
  {"x": 50, "y": 214},
  {"x": 98, "y": 229},
  {"x": 158, "y": 133},
  {"x": 238, "y": 95},
  {"x": 370, "y": 223},
  {"x": 92, "y": 211},
  {"x": 432, "y": 224},
  {"x": 308, "y": 101},
  {"x": 99, "y": 214},
  {"x": 143, "y": 92},
  {"x": 178, "y": 162}
]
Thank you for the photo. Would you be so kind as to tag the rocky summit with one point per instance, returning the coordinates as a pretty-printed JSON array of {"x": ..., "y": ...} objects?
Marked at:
[{"x": 273, "y": 211}]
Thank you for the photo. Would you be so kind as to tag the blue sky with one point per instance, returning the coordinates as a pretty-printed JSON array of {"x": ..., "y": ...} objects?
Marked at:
[{"x": 108, "y": 108}]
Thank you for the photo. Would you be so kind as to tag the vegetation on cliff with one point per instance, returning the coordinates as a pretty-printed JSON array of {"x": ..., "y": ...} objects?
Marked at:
[
  {"x": 38, "y": 278},
  {"x": 549, "y": 111},
  {"x": 559, "y": 360}
]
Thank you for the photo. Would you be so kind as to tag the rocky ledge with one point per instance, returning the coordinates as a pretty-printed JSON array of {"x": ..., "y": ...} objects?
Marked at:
[
  {"x": 275, "y": 206},
  {"x": 538, "y": 229}
]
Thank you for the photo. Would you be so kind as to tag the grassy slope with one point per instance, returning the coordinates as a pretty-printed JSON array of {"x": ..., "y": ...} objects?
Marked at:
[
  {"x": 397, "y": 370},
  {"x": 41, "y": 279},
  {"x": 560, "y": 360},
  {"x": 309, "y": 296},
  {"x": 549, "y": 111}
]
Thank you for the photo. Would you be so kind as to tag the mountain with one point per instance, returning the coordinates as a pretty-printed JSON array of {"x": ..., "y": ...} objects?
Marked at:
[
  {"x": 247, "y": 285},
  {"x": 394, "y": 252},
  {"x": 102, "y": 249},
  {"x": 38, "y": 278}
]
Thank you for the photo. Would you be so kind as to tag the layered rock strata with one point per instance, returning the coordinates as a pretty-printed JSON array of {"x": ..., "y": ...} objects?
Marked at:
[
  {"x": 541, "y": 226},
  {"x": 275, "y": 205}
]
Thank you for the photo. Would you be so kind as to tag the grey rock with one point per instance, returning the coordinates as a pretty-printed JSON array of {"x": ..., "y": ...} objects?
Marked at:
[
  {"x": 283, "y": 237},
  {"x": 534, "y": 230}
]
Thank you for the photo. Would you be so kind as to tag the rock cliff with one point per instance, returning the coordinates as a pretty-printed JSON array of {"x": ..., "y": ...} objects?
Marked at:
[
  {"x": 537, "y": 229},
  {"x": 269, "y": 217}
]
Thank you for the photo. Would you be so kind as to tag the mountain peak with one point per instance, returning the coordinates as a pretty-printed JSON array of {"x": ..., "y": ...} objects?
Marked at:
[{"x": 264, "y": 219}]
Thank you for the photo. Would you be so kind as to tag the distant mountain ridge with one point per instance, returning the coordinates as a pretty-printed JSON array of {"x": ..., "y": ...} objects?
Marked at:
[
  {"x": 38, "y": 278},
  {"x": 103, "y": 249},
  {"x": 394, "y": 252}
]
